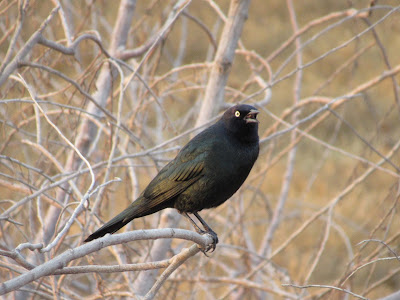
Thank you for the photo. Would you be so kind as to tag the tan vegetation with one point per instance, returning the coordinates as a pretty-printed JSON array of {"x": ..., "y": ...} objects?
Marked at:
[{"x": 124, "y": 89}]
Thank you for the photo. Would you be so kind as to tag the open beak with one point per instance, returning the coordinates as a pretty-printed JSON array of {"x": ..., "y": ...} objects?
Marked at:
[{"x": 251, "y": 117}]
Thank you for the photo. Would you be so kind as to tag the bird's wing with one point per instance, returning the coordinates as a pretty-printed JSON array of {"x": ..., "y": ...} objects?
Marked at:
[{"x": 175, "y": 178}]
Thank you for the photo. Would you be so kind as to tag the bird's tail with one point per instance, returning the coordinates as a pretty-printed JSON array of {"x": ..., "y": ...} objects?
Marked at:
[
  {"x": 112, "y": 226},
  {"x": 132, "y": 212}
]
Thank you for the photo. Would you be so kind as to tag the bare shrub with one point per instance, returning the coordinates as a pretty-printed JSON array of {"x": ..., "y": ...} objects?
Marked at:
[{"x": 96, "y": 96}]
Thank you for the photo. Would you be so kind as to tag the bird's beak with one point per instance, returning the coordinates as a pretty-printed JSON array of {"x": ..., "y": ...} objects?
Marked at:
[{"x": 251, "y": 117}]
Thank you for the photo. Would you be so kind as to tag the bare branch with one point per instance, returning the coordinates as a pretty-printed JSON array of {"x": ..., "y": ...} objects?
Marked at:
[
  {"x": 214, "y": 94},
  {"x": 24, "y": 51},
  {"x": 63, "y": 259},
  {"x": 326, "y": 287}
]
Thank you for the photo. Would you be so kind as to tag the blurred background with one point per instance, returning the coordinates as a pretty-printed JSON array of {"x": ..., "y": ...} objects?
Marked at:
[{"x": 320, "y": 205}]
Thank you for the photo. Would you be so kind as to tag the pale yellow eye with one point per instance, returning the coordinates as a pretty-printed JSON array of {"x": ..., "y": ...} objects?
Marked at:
[{"x": 237, "y": 114}]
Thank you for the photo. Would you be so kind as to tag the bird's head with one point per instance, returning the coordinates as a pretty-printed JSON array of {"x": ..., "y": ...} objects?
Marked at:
[{"x": 242, "y": 121}]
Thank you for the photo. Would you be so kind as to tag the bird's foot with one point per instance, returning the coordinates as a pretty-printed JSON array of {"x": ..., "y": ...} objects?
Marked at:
[
  {"x": 207, "y": 230},
  {"x": 214, "y": 243},
  {"x": 210, "y": 247}
]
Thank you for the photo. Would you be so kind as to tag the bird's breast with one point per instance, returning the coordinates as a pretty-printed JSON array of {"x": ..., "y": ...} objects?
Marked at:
[{"x": 227, "y": 166}]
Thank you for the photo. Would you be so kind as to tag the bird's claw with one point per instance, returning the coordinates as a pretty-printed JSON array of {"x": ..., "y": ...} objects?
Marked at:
[{"x": 210, "y": 247}]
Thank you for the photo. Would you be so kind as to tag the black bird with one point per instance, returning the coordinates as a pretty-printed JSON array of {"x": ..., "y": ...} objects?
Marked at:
[{"x": 205, "y": 173}]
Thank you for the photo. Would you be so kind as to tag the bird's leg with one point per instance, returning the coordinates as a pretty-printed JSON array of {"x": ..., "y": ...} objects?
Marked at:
[
  {"x": 205, "y": 225},
  {"x": 201, "y": 231},
  {"x": 208, "y": 230},
  {"x": 196, "y": 227}
]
